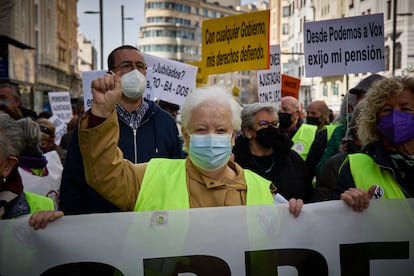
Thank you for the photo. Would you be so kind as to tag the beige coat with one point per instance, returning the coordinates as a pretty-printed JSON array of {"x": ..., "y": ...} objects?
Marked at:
[{"x": 119, "y": 180}]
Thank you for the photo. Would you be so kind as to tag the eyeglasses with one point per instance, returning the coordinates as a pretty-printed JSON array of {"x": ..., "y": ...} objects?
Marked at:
[
  {"x": 263, "y": 123},
  {"x": 128, "y": 66},
  {"x": 46, "y": 130}
]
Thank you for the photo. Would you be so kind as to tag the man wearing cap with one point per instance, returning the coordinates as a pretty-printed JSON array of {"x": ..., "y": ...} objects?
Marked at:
[{"x": 362, "y": 87}]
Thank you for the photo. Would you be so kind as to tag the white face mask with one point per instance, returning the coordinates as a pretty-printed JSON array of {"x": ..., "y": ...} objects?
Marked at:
[{"x": 133, "y": 84}]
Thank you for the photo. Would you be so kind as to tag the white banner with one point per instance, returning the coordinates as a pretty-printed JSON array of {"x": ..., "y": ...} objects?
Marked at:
[
  {"x": 269, "y": 81},
  {"x": 170, "y": 80},
  {"x": 346, "y": 45},
  {"x": 328, "y": 238}
]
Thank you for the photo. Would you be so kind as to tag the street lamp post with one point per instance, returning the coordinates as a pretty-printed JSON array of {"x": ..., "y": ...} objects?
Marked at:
[
  {"x": 100, "y": 12},
  {"x": 394, "y": 32},
  {"x": 122, "y": 22}
]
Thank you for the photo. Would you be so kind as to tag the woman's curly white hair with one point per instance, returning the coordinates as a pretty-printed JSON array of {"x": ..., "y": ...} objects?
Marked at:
[{"x": 376, "y": 98}]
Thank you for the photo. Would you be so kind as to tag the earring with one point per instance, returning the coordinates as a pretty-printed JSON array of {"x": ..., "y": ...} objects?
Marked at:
[{"x": 4, "y": 179}]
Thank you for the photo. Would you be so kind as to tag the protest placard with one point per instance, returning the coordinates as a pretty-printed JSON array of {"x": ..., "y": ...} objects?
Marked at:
[
  {"x": 290, "y": 86},
  {"x": 269, "y": 80},
  {"x": 346, "y": 45},
  {"x": 236, "y": 43},
  {"x": 60, "y": 128},
  {"x": 60, "y": 105},
  {"x": 170, "y": 80}
]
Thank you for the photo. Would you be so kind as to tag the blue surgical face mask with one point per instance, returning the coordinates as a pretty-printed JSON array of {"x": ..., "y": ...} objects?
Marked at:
[{"x": 209, "y": 151}]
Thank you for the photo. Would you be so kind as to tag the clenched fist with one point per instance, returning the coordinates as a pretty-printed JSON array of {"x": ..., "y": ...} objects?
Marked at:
[{"x": 106, "y": 92}]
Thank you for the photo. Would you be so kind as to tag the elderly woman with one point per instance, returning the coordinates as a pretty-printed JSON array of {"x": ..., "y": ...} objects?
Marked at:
[
  {"x": 206, "y": 178},
  {"x": 385, "y": 169},
  {"x": 41, "y": 173},
  {"x": 16, "y": 202},
  {"x": 264, "y": 150}
]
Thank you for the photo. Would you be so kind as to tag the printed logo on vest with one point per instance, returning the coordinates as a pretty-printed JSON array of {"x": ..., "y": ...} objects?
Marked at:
[
  {"x": 299, "y": 147},
  {"x": 159, "y": 218},
  {"x": 378, "y": 193}
]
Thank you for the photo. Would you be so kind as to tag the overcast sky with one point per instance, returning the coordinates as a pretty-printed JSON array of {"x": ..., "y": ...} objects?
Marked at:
[{"x": 112, "y": 28}]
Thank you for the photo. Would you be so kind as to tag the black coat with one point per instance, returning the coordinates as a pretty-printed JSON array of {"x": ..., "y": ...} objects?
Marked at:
[{"x": 288, "y": 174}]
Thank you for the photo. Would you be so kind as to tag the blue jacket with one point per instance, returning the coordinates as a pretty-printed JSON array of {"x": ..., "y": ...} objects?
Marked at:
[{"x": 156, "y": 136}]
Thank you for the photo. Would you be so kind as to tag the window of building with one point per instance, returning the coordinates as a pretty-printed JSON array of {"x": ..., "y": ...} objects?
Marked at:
[
  {"x": 61, "y": 54},
  {"x": 387, "y": 58},
  {"x": 388, "y": 14},
  {"x": 397, "y": 56},
  {"x": 325, "y": 90},
  {"x": 285, "y": 28},
  {"x": 171, "y": 20},
  {"x": 286, "y": 11},
  {"x": 335, "y": 89}
]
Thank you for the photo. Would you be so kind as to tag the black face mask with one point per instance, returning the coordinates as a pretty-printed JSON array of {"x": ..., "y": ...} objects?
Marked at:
[
  {"x": 267, "y": 136},
  {"x": 313, "y": 121},
  {"x": 285, "y": 120}
]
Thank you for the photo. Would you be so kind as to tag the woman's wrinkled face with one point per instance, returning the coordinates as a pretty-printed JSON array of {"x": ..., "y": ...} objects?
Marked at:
[
  {"x": 209, "y": 118},
  {"x": 263, "y": 119},
  {"x": 403, "y": 102}
]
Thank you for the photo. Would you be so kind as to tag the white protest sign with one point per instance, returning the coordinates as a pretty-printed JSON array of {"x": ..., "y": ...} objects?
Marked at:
[
  {"x": 269, "y": 80},
  {"x": 87, "y": 78},
  {"x": 61, "y": 105},
  {"x": 346, "y": 45},
  {"x": 148, "y": 93},
  {"x": 328, "y": 238},
  {"x": 171, "y": 81},
  {"x": 60, "y": 127}
]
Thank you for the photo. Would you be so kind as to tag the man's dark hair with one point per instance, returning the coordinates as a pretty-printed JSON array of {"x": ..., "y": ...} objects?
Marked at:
[
  {"x": 13, "y": 87},
  {"x": 111, "y": 58}
]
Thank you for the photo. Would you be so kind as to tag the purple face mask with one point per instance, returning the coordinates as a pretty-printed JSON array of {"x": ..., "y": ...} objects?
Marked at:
[{"x": 397, "y": 127}]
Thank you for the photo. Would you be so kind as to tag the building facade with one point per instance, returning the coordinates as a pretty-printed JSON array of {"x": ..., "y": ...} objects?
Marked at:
[
  {"x": 87, "y": 54},
  {"x": 332, "y": 89},
  {"x": 56, "y": 49},
  {"x": 172, "y": 30},
  {"x": 39, "y": 48}
]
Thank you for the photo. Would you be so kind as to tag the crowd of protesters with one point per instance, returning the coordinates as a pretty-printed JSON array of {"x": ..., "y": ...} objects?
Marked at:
[{"x": 219, "y": 154}]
